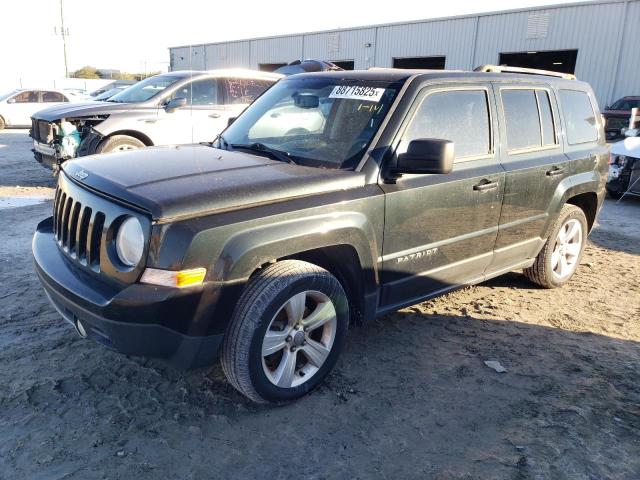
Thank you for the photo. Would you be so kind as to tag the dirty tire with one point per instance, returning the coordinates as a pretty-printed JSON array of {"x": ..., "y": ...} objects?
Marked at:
[
  {"x": 2, "y": 123},
  {"x": 541, "y": 272},
  {"x": 119, "y": 143},
  {"x": 263, "y": 297}
]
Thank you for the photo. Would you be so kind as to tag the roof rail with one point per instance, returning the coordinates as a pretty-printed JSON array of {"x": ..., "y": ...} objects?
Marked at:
[{"x": 530, "y": 71}]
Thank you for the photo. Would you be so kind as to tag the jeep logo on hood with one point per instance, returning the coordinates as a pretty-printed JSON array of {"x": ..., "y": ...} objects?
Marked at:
[{"x": 81, "y": 174}]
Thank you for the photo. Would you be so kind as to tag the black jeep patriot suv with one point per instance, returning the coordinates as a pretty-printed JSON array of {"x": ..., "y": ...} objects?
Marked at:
[{"x": 335, "y": 197}]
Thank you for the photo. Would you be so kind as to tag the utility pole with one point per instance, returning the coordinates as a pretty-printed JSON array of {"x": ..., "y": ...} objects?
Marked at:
[{"x": 64, "y": 32}]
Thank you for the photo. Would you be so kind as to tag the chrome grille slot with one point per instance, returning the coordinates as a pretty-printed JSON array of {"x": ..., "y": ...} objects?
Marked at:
[
  {"x": 94, "y": 235},
  {"x": 73, "y": 227},
  {"x": 81, "y": 237},
  {"x": 66, "y": 209}
]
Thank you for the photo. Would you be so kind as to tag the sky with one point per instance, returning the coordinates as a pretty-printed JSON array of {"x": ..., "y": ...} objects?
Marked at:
[{"x": 131, "y": 35}]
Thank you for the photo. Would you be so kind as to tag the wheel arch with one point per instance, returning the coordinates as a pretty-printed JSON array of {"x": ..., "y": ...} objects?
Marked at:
[
  {"x": 130, "y": 133},
  {"x": 343, "y": 262},
  {"x": 588, "y": 203}
]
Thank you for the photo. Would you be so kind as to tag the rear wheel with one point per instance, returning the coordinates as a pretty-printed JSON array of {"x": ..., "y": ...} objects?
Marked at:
[
  {"x": 557, "y": 261},
  {"x": 119, "y": 143},
  {"x": 286, "y": 332}
]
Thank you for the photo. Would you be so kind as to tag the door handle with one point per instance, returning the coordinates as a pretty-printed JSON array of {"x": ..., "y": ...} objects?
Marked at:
[
  {"x": 555, "y": 171},
  {"x": 214, "y": 115},
  {"x": 485, "y": 185}
]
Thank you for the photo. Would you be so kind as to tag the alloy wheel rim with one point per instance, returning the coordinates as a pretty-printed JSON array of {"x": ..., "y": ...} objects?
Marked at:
[
  {"x": 299, "y": 339},
  {"x": 566, "y": 251}
]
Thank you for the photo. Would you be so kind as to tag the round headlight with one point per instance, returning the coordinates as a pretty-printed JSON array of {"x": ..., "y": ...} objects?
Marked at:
[{"x": 130, "y": 242}]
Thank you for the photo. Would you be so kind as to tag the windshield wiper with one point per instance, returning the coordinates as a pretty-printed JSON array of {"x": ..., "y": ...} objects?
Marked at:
[
  {"x": 218, "y": 138},
  {"x": 261, "y": 147}
]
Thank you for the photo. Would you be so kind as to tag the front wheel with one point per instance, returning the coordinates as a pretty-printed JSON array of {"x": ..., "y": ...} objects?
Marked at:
[
  {"x": 557, "y": 261},
  {"x": 286, "y": 332}
]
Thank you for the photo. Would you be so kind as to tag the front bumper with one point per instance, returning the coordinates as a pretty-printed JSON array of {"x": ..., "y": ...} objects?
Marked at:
[{"x": 135, "y": 319}]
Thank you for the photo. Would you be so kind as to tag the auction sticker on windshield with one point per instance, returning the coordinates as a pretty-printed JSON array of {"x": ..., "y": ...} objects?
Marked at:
[{"x": 355, "y": 92}]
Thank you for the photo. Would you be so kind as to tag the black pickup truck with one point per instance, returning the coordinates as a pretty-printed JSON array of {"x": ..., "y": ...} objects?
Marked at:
[{"x": 262, "y": 248}]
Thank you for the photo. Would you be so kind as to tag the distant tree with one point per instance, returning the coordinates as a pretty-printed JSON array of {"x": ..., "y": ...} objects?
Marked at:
[{"x": 86, "y": 72}]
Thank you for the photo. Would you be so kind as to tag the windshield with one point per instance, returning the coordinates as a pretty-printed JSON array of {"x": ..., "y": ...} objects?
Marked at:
[
  {"x": 625, "y": 104},
  {"x": 322, "y": 122},
  {"x": 4, "y": 96},
  {"x": 146, "y": 89}
]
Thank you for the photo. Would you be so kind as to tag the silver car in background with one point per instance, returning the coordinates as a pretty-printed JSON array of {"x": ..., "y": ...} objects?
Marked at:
[
  {"x": 172, "y": 108},
  {"x": 17, "y": 106}
]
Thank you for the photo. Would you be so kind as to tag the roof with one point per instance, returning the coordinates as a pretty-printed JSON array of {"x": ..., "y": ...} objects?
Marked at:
[
  {"x": 226, "y": 72},
  {"x": 399, "y": 74}
]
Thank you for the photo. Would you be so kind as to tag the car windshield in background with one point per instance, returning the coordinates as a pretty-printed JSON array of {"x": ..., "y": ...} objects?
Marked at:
[
  {"x": 322, "y": 122},
  {"x": 625, "y": 104},
  {"x": 145, "y": 89},
  {"x": 4, "y": 96}
]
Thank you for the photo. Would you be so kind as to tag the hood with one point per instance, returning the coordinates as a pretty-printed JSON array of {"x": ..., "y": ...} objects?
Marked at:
[
  {"x": 87, "y": 109},
  {"x": 190, "y": 180},
  {"x": 616, "y": 113}
]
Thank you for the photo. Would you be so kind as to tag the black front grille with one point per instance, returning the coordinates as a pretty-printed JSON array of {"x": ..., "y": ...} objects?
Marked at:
[
  {"x": 78, "y": 229},
  {"x": 41, "y": 131},
  {"x": 617, "y": 122}
]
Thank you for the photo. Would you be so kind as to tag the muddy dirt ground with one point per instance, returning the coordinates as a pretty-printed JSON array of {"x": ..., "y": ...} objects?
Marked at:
[{"x": 410, "y": 397}]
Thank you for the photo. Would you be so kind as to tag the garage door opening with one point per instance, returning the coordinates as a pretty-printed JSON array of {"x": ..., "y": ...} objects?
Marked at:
[
  {"x": 270, "y": 67},
  {"x": 563, "y": 61},
  {"x": 431, "y": 63},
  {"x": 344, "y": 64}
]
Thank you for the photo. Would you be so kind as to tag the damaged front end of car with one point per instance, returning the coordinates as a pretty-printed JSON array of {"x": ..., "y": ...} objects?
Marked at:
[{"x": 57, "y": 141}]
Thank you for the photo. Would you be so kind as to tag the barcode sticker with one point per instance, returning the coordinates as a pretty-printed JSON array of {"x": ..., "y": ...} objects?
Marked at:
[{"x": 354, "y": 92}]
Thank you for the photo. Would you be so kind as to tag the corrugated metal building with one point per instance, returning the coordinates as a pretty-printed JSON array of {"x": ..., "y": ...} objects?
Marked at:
[{"x": 599, "y": 41}]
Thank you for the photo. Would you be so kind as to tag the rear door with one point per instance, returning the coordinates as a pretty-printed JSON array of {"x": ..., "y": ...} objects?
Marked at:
[
  {"x": 239, "y": 93},
  {"x": 533, "y": 158},
  {"x": 440, "y": 229}
]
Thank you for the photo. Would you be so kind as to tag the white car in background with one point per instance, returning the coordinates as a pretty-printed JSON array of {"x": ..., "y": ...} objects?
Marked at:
[{"x": 17, "y": 107}]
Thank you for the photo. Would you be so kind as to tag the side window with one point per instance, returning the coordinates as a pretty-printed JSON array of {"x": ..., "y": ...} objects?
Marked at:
[
  {"x": 521, "y": 116},
  {"x": 579, "y": 117},
  {"x": 461, "y": 116},
  {"x": 199, "y": 92},
  {"x": 26, "y": 97},
  {"x": 243, "y": 90},
  {"x": 546, "y": 118},
  {"x": 53, "y": 97}
]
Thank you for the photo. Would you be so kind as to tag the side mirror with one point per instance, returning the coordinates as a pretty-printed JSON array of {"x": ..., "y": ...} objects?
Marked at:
[
  {"x": 426, "y": 155},
  {"x": 231, "y": 120},
  {"x": 607, "y": 107},
  {"x": 174, "y": 104},
  {"x": 11, "y": 100}
]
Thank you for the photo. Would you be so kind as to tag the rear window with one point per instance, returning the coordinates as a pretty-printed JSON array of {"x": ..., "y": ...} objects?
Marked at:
[
  {"x": 461, "y": 116},
  {"x": 244, "y": 90},
  {"x": 579, "y": 117}
]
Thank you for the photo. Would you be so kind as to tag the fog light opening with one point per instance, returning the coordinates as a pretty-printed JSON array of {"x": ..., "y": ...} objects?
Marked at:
[{"x": 80, "y": 329}]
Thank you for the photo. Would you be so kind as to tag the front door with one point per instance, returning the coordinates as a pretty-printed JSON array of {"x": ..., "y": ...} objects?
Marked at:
[
  {"x": 440, "y": 229},
  {"x": 200, "y": 120}
]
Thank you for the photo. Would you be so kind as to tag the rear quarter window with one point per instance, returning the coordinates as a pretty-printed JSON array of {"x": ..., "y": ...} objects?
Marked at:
[
  {"x": 579, "y": 116},
  {"x": 244, "y": 90}
]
